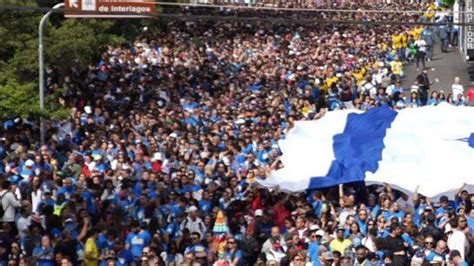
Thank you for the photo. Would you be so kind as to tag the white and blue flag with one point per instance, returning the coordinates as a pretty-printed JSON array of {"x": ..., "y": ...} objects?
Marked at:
[{"x": 430, "y": 147}]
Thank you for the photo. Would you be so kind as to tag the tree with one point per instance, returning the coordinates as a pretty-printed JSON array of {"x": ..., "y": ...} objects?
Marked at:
[
  {"x": 67, "y": 42},
  {"x": 448, "y": 3}
]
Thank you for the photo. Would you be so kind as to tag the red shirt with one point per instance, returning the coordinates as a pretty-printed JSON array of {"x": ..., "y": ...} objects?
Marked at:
[
  {"x": 470, "y": 95},
  {"x": 280, "y": 213}
]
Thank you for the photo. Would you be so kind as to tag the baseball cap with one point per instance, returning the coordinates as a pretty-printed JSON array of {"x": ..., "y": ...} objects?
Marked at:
[
  {"x": 192, "y": 209},
  {"x": 259, "y": 212},
  {"x": 314, "y": 227},
  {"x": 320, "y": 232}
]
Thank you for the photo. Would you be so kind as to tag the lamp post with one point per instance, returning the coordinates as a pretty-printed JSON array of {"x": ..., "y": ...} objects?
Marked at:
[{"x": 41, "y": 70}]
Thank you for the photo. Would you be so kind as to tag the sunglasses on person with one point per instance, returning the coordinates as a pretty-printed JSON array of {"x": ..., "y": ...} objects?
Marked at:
[
  {"x": 428, "y": 243},
  {"x": 231, "y": 242}
]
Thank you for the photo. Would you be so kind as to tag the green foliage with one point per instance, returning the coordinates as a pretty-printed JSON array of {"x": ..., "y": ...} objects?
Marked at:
[
  {"x": 79, "y": 42},
  {"x": 18, "y": 100},
  {"x": 67, "y": 42},
  {"x": 22, "y": 100},
  {"x": 448, "y": 3}
]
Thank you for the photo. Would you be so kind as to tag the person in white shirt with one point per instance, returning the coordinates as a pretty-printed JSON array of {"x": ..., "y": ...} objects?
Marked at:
[
  {"x": 193, "y": 223},
  {"x": 458, "y": 240},
  {"x": 420, "y": 54},
  {"x": 9, "y": 203},
  {"x": 457, "y": 88}
]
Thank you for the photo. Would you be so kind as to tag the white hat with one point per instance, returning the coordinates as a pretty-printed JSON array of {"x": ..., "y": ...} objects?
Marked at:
[
  {"x": 314, "y": 227},
  {"x": 88, "y": 109},
  {"x": 259, "y": 212},
  {"x": 157, "y": 156},
  {"x": 192, "y": 209},
  {"x": 226, "y": 161},
  {"x": 320, "y": 232},
  {"x": 240, "y": 121},
  {"x": 173, "y": 135},
  {"x": 29, "y": 163}
]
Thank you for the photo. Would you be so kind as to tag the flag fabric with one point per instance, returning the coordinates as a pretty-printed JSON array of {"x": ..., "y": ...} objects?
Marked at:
[
  {"x": 220, "y": 225},
  {"x": 431, "y": 147}
]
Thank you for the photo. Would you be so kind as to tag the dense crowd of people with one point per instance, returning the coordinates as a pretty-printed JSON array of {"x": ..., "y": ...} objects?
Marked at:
[{"x": 159, "y": 160}]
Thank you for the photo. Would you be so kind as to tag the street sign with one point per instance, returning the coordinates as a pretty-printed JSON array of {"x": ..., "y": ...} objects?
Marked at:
[{"x": 109, "y": 8}]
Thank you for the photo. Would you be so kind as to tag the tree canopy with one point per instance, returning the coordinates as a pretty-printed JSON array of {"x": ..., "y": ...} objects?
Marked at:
[{"x": 67, "y": 43}]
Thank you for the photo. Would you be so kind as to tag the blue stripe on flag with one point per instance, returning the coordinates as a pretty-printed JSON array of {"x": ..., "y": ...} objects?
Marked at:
[
  {"x": 358, "y": 148},
  {"x": 470, "y": 140}
]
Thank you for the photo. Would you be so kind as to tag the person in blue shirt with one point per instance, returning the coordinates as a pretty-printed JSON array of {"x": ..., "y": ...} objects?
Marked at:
[
  {"x": 314, "y": 246},
  {"x": 439, "y": 253},
  {"x": 456, "y": 259},
  {"x": 205, "y": 205},
  {"x": 45, "y": 253},
  {"x": 106, "y": 241},
  {"x": 362, "y": 219},
  {"x": 414, "y": 100},
  {"x": 233, "y": 253},
  {"x": 395, "y": 212},
  {"x": 444, "y": 204},
  {"x": 67, "y": 189},
  {"x": 434, "y": 99},
  {"x": 197, "y": 248},
  {"x": 136, "y": 240}
]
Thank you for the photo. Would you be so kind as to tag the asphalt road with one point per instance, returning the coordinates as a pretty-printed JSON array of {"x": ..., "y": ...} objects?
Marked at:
[{"x": 444, "y": 67}]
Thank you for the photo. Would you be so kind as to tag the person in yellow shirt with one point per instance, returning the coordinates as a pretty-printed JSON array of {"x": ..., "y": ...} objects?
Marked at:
[
  {"x": 359, "y": 75},
  {"x": 416, "y": 32},
  {"x": 331, "y": 79},
  {"x": 396, "y": 41},
  {"x": 396, "y": 67},
  {"x": 91, "y": 252},
  {"x": 339, "y": 243}
]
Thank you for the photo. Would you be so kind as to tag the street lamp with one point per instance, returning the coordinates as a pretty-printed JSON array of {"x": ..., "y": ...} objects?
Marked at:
[{"x": 41, "y": 70}]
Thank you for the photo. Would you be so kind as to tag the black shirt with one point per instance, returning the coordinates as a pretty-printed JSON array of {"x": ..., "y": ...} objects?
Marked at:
[{"x": 393, "y": 244}]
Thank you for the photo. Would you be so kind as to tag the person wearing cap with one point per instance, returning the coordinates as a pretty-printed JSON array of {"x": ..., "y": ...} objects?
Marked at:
[
  {"x": 314, "y": 245},
  {"x": 339, "y": 243},
  {"x": 193, "y": 222}
]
